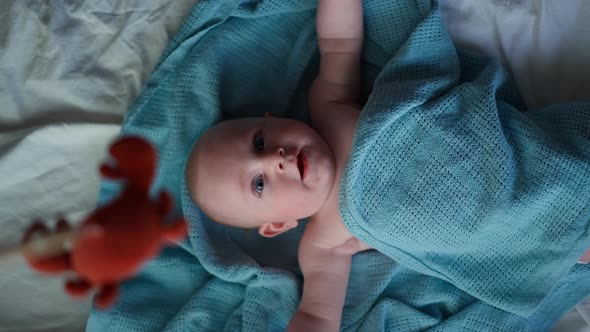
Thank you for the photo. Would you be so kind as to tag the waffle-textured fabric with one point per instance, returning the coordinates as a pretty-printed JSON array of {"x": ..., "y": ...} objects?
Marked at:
[
  {"x": 234, "y": 58},
  {"x": 449, "y": 178}
]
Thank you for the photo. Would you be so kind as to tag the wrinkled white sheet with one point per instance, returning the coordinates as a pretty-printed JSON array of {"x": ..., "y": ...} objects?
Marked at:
[
  {"x": 544, "y": 43},
  {"x": 69, "y": 69}
]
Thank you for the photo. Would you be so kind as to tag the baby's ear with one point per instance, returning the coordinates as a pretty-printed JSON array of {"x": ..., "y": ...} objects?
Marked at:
[{"x": 273, "y": 229}]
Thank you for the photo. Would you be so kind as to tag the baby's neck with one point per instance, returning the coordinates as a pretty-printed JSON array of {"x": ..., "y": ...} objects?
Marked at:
[{"x": 327, "y": 224}]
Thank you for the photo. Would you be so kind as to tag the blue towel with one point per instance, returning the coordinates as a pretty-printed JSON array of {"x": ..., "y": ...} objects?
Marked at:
[
  {"x": 448, "y": 177},
  {"x": 236, "y": 58}
]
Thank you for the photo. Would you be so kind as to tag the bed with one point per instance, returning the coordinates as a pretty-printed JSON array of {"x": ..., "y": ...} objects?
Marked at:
[{"x": 69, "y": 70}]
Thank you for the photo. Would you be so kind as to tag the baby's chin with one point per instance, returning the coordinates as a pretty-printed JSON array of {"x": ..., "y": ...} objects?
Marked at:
[{"x": 322, "y": 170}]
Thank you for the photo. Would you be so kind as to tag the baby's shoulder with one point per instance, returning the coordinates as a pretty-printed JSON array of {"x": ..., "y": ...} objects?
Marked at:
[{"x": 326, "y": 227}]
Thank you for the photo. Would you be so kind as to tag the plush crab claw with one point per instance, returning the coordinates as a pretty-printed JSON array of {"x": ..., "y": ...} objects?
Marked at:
[{"x": 135, "y": 161}]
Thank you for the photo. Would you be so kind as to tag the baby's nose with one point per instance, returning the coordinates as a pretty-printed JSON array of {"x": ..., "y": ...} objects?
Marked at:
[{"x": 279, "y": 157}]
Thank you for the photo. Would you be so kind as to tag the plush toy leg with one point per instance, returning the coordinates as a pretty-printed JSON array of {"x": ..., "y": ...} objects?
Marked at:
[
  {"x": 55, "y": 264},
  {"x": 106, "y": 295},
  {"x": 77, "y": 287},
  {"x": 177, "y": 231},
  {"x": 165, "y": 204}
]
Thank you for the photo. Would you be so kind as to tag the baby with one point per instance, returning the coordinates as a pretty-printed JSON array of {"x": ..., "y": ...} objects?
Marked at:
[{"x": 274, "y": 171}]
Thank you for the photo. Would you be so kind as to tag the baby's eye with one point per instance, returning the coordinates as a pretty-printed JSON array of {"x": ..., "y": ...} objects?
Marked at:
[
  {"x": 258, "y": 184},
  {"x": 259, "y": 141}
]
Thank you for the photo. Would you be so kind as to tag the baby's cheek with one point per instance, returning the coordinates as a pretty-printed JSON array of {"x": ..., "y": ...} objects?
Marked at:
[{"x": 294, "y": 202}]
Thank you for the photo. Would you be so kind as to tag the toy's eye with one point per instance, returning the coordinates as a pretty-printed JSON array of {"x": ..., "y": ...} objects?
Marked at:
[
  {"x": 258, "y": 184},
  {"x": 258, "y": 141}
]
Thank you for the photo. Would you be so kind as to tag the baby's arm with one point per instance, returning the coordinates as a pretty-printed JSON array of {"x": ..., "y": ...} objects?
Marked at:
[
  {"x": 340, "y": 36},
  {"x": 334, "y": 96},
  {"x": 325, "y": 274}
]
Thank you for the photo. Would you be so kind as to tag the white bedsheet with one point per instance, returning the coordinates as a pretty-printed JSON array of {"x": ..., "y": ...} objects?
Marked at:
[
  {"x": 69, "y": 69},
  {"x": 544, "y": 43}
]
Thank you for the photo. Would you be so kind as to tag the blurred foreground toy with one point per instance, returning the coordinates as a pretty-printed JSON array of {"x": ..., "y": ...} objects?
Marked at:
[{"x": 114, "y": 241}]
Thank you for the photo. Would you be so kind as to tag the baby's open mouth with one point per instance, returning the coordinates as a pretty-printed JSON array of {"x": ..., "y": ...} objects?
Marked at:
[{"x": 302, "y": 164}]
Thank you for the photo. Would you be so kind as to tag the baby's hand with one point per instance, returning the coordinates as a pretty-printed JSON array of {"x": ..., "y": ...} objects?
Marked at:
[
  {"x": 315, "y": 255},
  {"x": 340, "y": 21}
]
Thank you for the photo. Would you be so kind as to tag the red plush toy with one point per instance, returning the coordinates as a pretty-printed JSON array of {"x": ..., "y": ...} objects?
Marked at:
[{"x": 115, "y": 240}]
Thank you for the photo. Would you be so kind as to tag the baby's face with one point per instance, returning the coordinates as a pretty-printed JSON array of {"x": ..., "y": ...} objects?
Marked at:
[{"x": 250, "y": 172}]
